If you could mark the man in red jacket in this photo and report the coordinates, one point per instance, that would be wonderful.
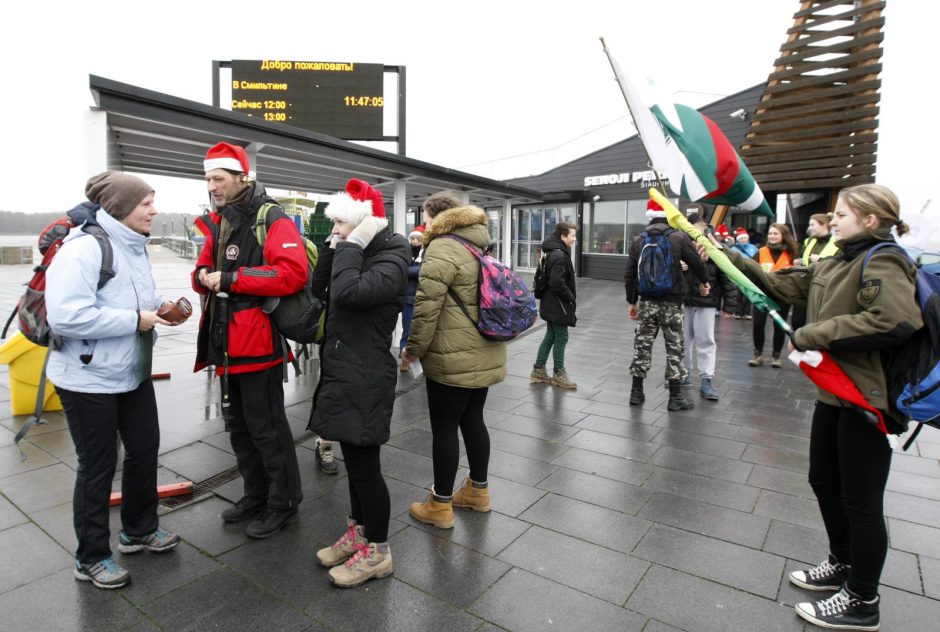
(237, 337)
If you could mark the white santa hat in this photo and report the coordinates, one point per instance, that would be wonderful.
(357, 202)
(226, 156)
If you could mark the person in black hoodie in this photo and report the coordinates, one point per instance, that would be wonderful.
(661, 310)
(358, 373)
(699, 323)
(558, 304)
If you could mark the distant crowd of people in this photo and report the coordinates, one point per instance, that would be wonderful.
(366, 275)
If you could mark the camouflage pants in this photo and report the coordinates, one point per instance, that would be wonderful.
(651, 317)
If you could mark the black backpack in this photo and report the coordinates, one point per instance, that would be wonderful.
(296, 316)
(540, 281)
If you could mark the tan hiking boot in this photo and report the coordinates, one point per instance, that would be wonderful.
(470, 497)
(776, 362)
(434, 512)
(561, 380)
(757, 360)
(539, 374)
(342, 549)
(365, 564)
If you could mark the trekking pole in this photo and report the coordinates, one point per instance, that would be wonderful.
(223, 308)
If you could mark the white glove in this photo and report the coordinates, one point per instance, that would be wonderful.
(366, 230)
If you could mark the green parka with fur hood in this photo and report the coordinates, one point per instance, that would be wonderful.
(449, 346)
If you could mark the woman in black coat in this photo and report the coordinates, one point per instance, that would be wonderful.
(358, 374)
(558, 303)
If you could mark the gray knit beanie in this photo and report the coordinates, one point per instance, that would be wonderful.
(117, 193)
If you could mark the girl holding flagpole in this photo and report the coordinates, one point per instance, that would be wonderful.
(860, 320)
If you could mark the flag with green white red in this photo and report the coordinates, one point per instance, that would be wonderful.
(689, 148)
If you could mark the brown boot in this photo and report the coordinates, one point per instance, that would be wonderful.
(405, 365)
(757, 360)
(470, 497)
(368, 562)
(344, 548)
(539, 374)
(434, 512)
(561, 380)
(776, 362)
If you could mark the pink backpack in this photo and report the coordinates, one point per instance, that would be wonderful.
(507, 306)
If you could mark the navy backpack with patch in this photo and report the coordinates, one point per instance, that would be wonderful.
(914, 373)
(655, 272)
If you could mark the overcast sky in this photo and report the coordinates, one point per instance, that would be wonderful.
(502, 89)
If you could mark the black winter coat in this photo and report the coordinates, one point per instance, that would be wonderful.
(358, 374)
(724, 294)
(559, 301)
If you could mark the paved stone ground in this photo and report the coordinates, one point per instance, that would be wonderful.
(606, 517)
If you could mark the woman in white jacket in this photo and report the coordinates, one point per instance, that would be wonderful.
(100, 363)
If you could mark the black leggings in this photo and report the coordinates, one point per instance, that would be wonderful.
(848, 470)
(760, 321)
(452, 407)
(369, 501)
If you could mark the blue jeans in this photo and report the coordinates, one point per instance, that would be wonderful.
(406, 313)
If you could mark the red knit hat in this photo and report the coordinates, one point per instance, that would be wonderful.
(356, 203)
(226, 156)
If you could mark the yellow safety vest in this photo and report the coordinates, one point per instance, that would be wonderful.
(828, 250)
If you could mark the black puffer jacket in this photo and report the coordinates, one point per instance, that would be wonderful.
(723, 292)
(354, 399)
(559, 300)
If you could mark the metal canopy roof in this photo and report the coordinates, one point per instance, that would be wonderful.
(154, 133)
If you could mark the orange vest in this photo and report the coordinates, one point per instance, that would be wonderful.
(766, 260)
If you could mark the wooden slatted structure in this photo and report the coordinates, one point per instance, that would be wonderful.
(816, 125)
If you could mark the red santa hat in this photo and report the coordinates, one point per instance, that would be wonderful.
(356, 203)
(740, 230)
(654, 210)
(417, 232)
(226, 156)
(722, 231)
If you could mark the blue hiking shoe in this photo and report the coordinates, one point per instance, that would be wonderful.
(106, 574)
(707, 390)
(158, 542)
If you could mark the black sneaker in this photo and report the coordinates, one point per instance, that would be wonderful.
(270, 522)
(324, 453)
(827, 575)
(843, 611)
(244, 509)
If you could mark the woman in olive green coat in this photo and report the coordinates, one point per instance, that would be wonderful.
(459, 364)
(861, 320)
